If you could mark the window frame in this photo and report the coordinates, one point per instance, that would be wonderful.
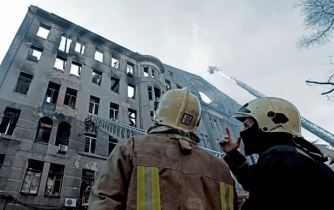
(92, 140)
(130, 68)
(11, 124)
(54, 89)
(43, 130)
(99, 73)
(82, 48)
(114, 110)
(28, 78)
(114, 85)
(134, 91)
(66, 41)
(71, 98)
(94, 104)
(58, 176)
(34, 172)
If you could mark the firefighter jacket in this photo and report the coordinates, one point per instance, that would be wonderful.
(155, 171)
(284, 177)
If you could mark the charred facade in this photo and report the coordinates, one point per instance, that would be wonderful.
(54, 76)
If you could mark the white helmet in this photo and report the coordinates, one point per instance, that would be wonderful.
(178, 108)
(272, 115)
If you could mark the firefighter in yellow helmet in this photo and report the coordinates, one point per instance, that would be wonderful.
(290, 172)
(165, 169)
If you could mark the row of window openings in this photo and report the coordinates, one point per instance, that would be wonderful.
(71, 94)
(76, 67)
(76, 70)
(43, 133)
(24, 81)
(11, 117)
(32, 179)
(214, 124)
(65, 44)
(60, 64)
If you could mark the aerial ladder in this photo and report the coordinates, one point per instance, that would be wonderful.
(308, 125)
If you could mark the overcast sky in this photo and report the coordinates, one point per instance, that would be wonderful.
(253, 41)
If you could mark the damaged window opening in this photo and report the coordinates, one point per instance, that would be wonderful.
(87, 182)
(206, 141)
(34, 53)
(114, 84)
(129, 68)
(98, 56)
(60, 63)
(52, 93)
(112, 144)
(94, 105)
(152, 115)
(44, 130)
(70, 98)
(215, 121)
(131, 91)
(157, 93)
(63, 134)
(178, 86)
(32, 177)
(43, 31)
(90, 144)
(9, 120)
(132, 117)
(2, 159)
(146, 71)
(153, 72)
(65, 44)
(150, 94)
(80, 48)
(168, 84)
(96, 77)
(211, 123)
(23, 83)
(113, 111)
(54, 181)
(170, 73)
(205, 98)
(114, 62)
(76, 68)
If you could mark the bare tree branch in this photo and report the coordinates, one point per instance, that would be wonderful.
(319, 19)
(322, 83)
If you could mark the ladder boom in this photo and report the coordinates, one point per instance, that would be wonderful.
(308, 125)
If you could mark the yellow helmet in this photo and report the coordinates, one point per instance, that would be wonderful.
(272, 115)
(178, 108)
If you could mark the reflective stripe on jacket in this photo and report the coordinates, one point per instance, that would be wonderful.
(150, 172)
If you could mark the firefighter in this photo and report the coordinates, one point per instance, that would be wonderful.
(165, 169)
(290, 172)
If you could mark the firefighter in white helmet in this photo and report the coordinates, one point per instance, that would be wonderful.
(165, 169)
(290, 172)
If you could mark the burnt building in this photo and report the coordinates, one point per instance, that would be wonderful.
(54, 76)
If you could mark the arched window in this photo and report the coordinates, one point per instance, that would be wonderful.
(44, 130)
(63, 133)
